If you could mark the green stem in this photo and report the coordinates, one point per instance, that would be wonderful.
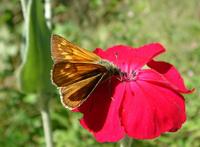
(126, 142)
(47, 128)
(44, 110)
(45, 102)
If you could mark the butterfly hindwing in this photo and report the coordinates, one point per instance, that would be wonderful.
(77, 81)
(72, 96)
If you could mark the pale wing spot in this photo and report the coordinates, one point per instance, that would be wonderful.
(62, 71)
(67, 66)
(59, 45)
(64, 53)
(63, 43)
(68, 57)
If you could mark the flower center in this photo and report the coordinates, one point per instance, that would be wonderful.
(131, 76)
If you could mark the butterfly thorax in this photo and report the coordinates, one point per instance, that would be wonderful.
(112, 69)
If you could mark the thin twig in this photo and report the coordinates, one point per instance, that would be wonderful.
(46, 124)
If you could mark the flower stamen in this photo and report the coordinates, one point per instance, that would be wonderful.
(128, 76)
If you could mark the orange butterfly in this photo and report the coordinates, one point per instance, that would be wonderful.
(77, 72)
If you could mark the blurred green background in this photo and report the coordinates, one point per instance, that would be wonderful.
(91, 24)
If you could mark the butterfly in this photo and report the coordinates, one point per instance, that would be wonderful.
(77, 72)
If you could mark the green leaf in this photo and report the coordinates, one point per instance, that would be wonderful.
(36, 66)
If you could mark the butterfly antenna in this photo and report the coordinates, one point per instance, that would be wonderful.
(117, 61)
(116, 57)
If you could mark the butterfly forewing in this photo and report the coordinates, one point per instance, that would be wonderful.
(63, 50)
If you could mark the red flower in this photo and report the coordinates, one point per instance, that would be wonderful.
(145, 104)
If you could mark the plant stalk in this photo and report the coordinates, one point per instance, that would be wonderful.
(44, 110)
(45, 103)
(126, 142)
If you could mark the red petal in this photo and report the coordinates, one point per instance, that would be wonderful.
(135, 58)
(101, 112)
(149, 110)
(171, 74)
(99, 52)
(117, 54)
(144, 54)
